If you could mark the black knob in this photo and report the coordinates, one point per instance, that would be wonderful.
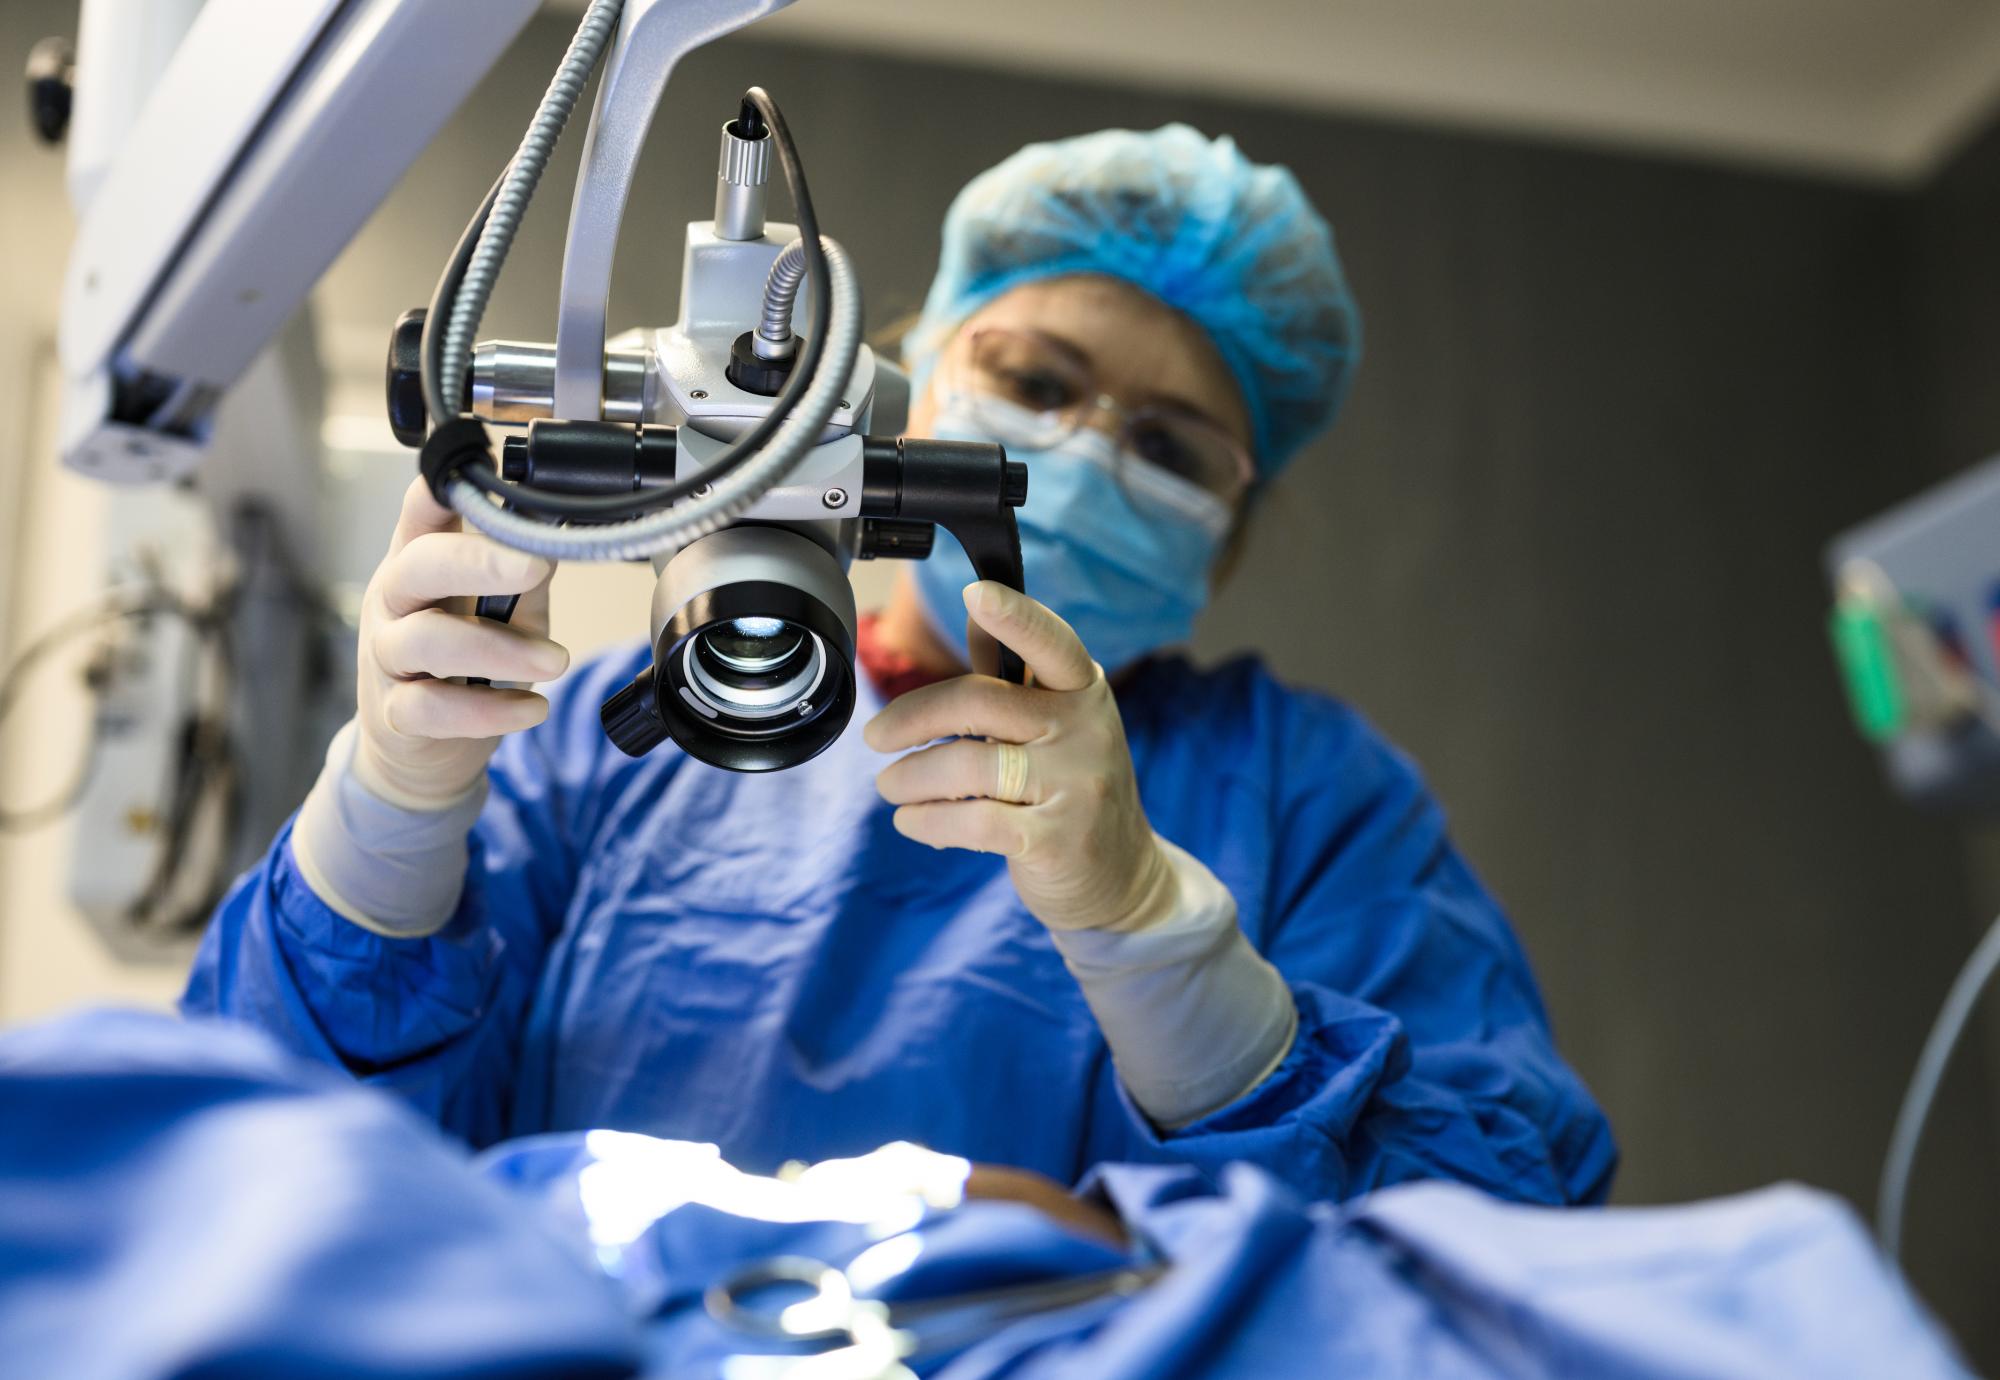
(514, 464)
(904, 539)
(51, 88)
(631, 718)
(753, 373)
(1015, 487)
(408, 417)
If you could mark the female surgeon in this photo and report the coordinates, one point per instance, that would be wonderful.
(1134, 911)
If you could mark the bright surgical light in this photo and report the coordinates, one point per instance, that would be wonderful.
(634, 1180)
(758, 628)
(884, 1261)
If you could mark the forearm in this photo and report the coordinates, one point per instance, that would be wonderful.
(397, 872)
(422, 979)
(1195, 1016)
(434, 1018)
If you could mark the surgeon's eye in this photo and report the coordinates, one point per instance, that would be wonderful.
(1037, 390)
(1158, 444)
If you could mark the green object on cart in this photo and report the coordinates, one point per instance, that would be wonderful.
(1861, 639)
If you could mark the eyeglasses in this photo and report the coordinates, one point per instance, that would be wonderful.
(1034, 391)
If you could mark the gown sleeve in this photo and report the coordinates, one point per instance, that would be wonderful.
(436, 1019)
(1423, 1049)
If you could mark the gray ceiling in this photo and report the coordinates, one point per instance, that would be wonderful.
(1879, 89)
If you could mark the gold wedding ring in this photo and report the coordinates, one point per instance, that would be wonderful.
(1012, 769)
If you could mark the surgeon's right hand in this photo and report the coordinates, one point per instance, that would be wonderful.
(423, 738)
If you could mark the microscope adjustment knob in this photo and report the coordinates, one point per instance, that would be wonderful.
(631, 718)
(408, 417)
(1014, 483)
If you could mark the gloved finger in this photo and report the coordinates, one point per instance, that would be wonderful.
(963, 707)
(442, 709)
(532, 613)
(436, 566)
(431, 642)
(1049, 646)
(983, 826)
(981, 650)
(965, 769)
(421, 513)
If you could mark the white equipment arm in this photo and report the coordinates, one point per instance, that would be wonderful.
(276, 128)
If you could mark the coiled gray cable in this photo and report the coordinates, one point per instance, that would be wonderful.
(672, 528)
(1916, 1108)
(781, 290)
(586, 49)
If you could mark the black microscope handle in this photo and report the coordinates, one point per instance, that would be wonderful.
(500, 608)
(993, 542)
(970, 489)
(451, 445)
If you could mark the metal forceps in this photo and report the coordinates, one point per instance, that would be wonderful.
(868, 1339)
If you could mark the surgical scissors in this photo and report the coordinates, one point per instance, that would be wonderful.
(869, 1339)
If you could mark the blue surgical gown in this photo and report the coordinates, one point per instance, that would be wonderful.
(765, 963)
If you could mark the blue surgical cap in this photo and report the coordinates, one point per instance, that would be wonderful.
(1234, 246)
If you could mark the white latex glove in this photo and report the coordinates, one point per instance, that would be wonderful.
(423, 740)
(1038, 773)
(1194, 1016)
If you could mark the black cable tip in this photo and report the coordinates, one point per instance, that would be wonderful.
(749, 122)
(451, 447)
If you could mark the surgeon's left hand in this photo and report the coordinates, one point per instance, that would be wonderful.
(1039, 773)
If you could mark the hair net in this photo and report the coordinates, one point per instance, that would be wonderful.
(1234, 246)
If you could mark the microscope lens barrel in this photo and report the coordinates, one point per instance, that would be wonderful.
(753, 653)
(514, 382)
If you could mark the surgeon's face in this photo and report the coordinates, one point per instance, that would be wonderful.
(1136, 445)
(1129, 346)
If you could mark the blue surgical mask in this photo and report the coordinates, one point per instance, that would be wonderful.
(1119, 548)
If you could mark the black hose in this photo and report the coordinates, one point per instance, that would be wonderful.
(436, 317)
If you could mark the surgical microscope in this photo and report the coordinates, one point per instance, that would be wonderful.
(750, 451)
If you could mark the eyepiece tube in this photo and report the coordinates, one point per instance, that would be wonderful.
(744, 172)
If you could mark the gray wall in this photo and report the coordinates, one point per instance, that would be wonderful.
(1564, 548)
(1953, 328)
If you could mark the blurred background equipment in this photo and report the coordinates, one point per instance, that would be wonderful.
(1658, 296)
(1916, 625)
(211, 668)
(192, 697)
(220, 155)
(1916, 629)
